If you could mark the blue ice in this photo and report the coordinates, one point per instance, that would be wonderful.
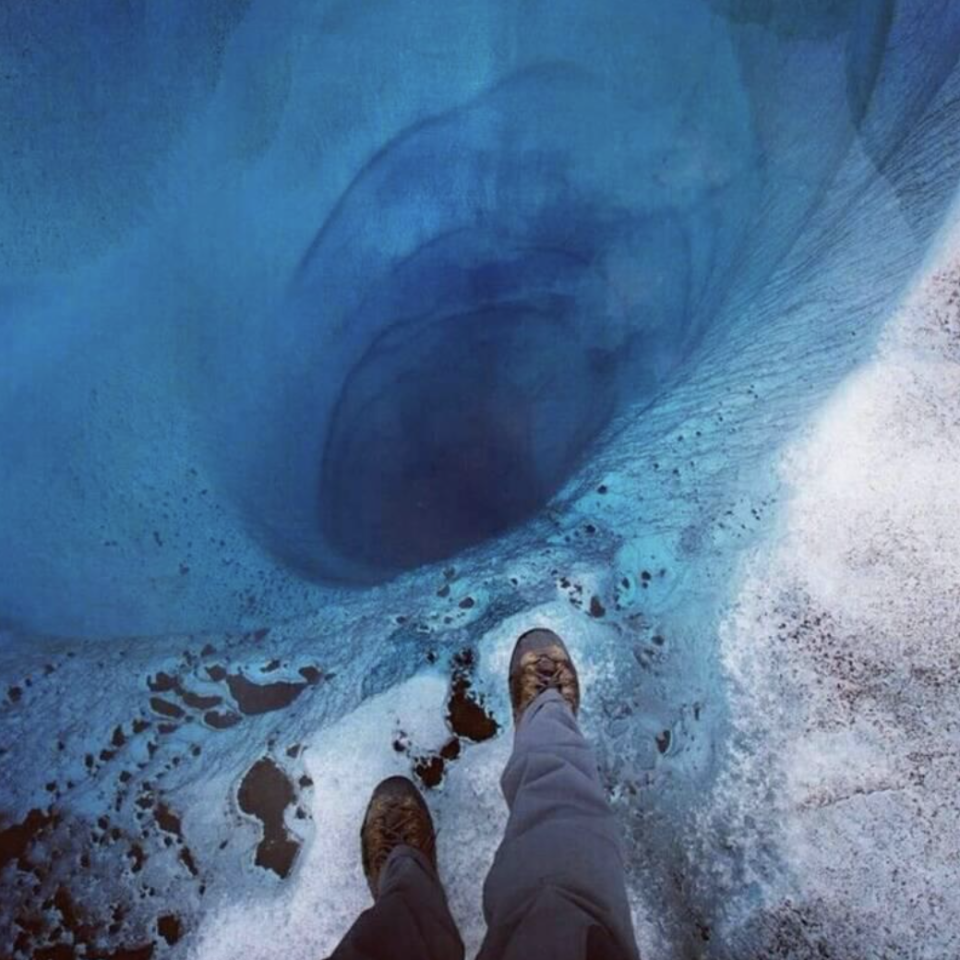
(343, 334)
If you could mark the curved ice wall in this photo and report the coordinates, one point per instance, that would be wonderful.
(315, 298)
(383, 326)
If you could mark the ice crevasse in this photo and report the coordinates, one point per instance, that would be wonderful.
(342, 342)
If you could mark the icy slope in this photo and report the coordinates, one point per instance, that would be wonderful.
(831, 827)
(347, 343)
(826, 827)
(488, 242)
(843, 647)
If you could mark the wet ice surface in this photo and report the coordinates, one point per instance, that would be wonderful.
(709, 195)
(816, 816)
(755, 567)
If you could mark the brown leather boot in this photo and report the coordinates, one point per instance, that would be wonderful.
(396, 815)
(541, 661)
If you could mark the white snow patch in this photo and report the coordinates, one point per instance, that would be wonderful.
(844, 649)
(308, 917)
(345, 761)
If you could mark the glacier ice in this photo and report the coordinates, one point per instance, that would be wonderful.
(345, 341)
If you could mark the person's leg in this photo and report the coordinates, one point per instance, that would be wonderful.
(409, 919)
(556, 888)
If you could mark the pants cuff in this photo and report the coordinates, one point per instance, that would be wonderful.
(539, 702)
(400, 857)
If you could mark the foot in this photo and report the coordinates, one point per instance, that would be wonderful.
(396, 816)
(540, 662)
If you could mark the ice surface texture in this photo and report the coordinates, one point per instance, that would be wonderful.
(341, 339)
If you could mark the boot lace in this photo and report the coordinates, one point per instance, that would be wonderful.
(396, 827)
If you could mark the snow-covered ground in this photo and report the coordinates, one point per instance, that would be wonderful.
(843, 645)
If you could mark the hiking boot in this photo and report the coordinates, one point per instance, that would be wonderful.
(540, 662)
(396, 816)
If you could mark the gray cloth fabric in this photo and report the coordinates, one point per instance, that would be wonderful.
(556, 889)
(410, 918)
(557, 881)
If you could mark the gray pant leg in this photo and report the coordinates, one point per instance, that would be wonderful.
(410, 919)
(556, 889)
